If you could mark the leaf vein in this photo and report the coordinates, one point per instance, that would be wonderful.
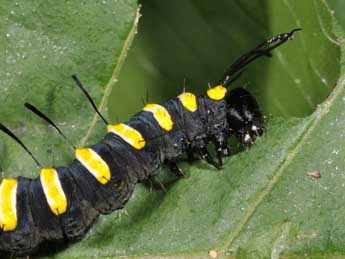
(314, 121)
(114, 76)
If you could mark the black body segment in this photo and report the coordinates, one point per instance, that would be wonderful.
(118, 190)
(174, 142)
(137, 165)
(47, 223)
(26, 237)
(80, 214)
(90, 188)
(187, 123)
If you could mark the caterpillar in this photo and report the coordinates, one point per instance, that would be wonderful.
(63, 202)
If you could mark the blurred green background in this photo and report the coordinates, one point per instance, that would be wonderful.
(192, 42)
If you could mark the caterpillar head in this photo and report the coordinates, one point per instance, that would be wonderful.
(244, 116)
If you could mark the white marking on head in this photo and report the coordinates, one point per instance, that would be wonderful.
(254, 128)
(247, 137)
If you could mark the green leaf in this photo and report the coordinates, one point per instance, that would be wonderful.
(263, 204)
(43, 44)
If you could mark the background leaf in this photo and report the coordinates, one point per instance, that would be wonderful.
(44, 43)
(195, 41)
(262, 204)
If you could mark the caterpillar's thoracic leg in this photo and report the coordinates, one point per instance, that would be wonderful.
(222, 150)
(175, 168)
(205, 155)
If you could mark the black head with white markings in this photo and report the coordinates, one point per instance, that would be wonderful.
(244, 116)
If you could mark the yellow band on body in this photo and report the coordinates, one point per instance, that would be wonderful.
(53, 191)
(94, 164)
(128, 134)
(188, 101)
(8, 204)
(161, 115)
(217, 93)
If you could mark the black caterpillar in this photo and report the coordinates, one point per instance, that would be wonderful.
(63, 202)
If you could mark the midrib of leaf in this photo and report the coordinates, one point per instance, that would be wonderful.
(113, 79)
(314, 121)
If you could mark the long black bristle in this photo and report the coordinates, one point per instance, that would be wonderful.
(4, 129)
(77, 81)
(46, 118)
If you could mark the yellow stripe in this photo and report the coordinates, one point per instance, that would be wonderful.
(53, 191)
(94, 164)
(8, 204)
(217, 93)
(161, 115)
(188, 100)
(128, 134)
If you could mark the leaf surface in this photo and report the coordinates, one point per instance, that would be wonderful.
(263, 204)
(44, 43)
